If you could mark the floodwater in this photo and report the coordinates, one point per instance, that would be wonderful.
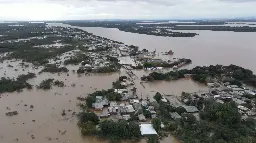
(44, 123)
(207, 48)
(48, 125)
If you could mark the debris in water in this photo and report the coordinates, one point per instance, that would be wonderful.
(63, 113)
(32, 136)
(12, 113)
(31, 106)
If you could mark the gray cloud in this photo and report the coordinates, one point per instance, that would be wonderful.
(238, 1)
(124, 9)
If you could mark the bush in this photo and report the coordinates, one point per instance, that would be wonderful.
(88, 116)
(156, 122)
(46, 84)
(25, 77)
(52, 68)
(11, 85)
(120, 130)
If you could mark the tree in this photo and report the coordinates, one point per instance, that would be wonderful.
(46, 84)
(226, 113)
(180, 110)
(88, 116)
(120, 130)
(146, 112)
(236, 82)
(158, 97)
(134, 130)
(153, 139)
(113, 96)
(90, 100)
(88, 128)
(189, 118)
(156, 122)
(147, 65)
(172, 126)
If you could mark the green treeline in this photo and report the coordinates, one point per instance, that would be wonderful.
(231, 73)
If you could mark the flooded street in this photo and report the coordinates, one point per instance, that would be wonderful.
(44, 123)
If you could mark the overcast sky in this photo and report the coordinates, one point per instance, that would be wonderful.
(124, 9)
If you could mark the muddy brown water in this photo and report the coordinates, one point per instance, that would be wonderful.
(44, 122)
(50, 126)
(207, 48)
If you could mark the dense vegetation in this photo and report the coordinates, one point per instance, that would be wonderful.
(78, 58)
(53, 68)
(217, 28)
(48, 83)
(218, 123)
(134, 28)
(108, 129)
(33, 42)
(229, 73)
(11, 85)
(19, 30)
(25, 77)
(156, 32)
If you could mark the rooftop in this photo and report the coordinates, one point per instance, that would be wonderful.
(147, 129)
(191, 109)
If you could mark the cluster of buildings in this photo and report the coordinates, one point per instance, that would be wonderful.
(222, 93)
(125, 109)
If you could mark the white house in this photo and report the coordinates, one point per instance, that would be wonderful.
(147, 129)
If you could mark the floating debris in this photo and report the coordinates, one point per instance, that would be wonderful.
(12, 113)
(63, 113)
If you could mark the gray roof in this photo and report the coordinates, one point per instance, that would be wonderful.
(175, 115)
(142, 117)
(191, 109)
